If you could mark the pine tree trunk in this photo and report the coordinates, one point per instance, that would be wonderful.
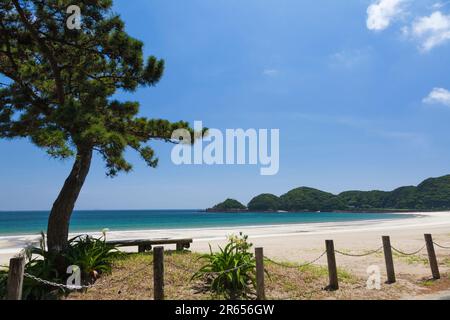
(58, 223)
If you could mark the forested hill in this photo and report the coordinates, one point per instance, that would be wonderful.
(431, 194)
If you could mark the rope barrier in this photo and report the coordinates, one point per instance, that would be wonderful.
(209, 272)
(56, 285)
(190, 270)
(228, 271)
(297, 266)
(74, 287)
(359, 255)
(146, 266)
(441, 246)
(407, 254)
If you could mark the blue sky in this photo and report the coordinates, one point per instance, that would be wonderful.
(358, 89)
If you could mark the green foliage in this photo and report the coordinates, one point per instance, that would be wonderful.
(402, 198)
(59, 86)
(61, 82)
(93, 256)
(364, 199)
(231, 272)
(431, 194)
(229, 205)
(264, 202)
(434, 193)
(41, 264)
(308, 199)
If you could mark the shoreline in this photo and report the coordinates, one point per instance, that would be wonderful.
(11, 243)
(32, 236)
(77, 229)
(300, 243)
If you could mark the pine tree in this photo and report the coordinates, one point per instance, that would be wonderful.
(59, 87)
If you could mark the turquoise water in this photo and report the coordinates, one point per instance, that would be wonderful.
(32, 222)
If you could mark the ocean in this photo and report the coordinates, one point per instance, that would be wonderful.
(33, 222)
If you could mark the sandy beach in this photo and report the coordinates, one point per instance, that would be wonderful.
(288, 242)
(300, 243)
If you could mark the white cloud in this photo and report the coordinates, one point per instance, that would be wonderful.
(439, 5)
(350, 58)
(431, 31)
(270, 72)
(381, 13)
(438, 96)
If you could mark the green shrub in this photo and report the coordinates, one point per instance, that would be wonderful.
(41, 264)
(93, 257)
(231, 272)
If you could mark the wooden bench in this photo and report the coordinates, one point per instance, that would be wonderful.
(146, 245)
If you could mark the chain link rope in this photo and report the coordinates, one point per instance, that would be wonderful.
(298, 266)
(359, 255)
(407, 254)
(74, 287)
(209, 272)
(440, 246)
(131, 274)
(56, 285)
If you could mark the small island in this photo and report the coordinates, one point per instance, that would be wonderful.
(433, 194)
(229, 205)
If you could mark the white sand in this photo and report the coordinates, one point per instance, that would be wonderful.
(305, 242)
(287, 241)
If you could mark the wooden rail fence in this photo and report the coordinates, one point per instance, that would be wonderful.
(17, 272)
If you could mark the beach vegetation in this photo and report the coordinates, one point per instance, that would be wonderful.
(132, 279)
(428, 283)
(231, 271)
(446, 261)
(93, 257)
(414, 259)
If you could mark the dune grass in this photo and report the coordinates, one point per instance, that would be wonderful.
(132, 279)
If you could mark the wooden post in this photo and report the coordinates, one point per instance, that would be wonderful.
(260, 290)
(15, 278)
(332, 268)
(389, 260)
(432, 256)
(158, 273)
